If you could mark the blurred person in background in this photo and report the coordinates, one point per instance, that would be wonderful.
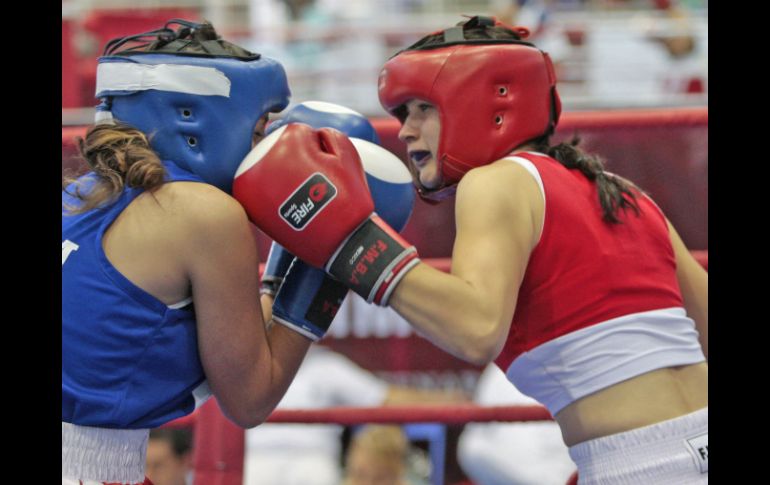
(531, 453)
(533, 14)
(311, 454)
(169, 456)
(686, 66)
(379, 455)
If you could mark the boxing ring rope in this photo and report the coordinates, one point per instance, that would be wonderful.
(569, 121)
(576, 120)
(446, 414)
(219, 445)
(454, 414)
(387, 128)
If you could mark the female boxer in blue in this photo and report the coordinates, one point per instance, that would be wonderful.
(160, 301)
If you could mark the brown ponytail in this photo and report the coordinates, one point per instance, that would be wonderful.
(615, 192)
(120, 156)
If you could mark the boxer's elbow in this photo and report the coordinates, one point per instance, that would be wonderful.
(249, 417)
(255, 419)
(478, 357)
(483, 345)
(247, 411)
(481, 354)
(247, 404)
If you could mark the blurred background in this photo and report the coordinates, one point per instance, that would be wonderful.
(608, 53)
(633, 79)
(641, 65)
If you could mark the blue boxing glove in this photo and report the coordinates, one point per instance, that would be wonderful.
(308, 299)
(320, 114)
(276, 266)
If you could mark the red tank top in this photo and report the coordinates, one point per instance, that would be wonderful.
(586, 271)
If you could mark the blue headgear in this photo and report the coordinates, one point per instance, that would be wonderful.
(199, 109)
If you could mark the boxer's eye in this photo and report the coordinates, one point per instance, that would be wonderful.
(401, 113)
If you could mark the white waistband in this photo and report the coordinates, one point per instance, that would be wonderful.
(580, 363)
(103, 455)
(685, 436)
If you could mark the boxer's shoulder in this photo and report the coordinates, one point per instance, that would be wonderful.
(190, 213)
(499, 179)
(193, 200)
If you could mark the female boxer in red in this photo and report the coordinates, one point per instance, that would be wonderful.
(570, 278)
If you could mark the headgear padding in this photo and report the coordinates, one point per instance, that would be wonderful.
(199, 110)
(492, 96)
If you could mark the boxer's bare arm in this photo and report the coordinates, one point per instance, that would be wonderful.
(499, 210)
(248, 367)
(694, 283)
(267, 307)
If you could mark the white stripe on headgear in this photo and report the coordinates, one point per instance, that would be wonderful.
(129, 76)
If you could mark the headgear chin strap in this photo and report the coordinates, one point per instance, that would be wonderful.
(197, 96)
(492, 95)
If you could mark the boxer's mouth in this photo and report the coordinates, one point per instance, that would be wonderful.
(420, 157)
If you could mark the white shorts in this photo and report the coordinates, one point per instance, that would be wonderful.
(72, 481)
(669, 452)
(102, 454)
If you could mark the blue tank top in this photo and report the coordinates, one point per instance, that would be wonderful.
(129, 361)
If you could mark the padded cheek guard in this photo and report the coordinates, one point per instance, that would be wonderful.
(491, 98)
(199, 111)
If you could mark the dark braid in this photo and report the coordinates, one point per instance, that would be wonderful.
(615, 192)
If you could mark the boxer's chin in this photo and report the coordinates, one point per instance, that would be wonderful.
(429, 176)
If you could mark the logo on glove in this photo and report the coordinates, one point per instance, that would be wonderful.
(307, 201)
(318, 191)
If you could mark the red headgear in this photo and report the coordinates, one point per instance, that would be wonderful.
(492, 95)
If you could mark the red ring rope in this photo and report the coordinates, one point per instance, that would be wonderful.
(446, 414)
(445, 264)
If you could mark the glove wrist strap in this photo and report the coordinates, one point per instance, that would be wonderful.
(308, 301)
(373, 260)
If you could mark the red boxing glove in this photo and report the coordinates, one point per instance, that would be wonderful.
(307, 190)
